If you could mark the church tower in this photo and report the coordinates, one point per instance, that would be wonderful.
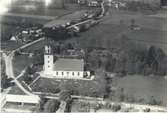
(48, 60)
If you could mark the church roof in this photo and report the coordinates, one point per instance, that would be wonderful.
(64, 64)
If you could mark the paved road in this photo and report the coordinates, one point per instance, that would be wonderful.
(21, 74)
(9, 66)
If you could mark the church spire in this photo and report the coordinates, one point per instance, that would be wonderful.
(48, 58)
(48, 49)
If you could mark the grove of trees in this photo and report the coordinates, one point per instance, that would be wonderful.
(51, 106)
(129, 58)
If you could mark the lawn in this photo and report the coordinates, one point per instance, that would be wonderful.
(46, 85)
(146, 21)
(20, 62)
(34, 47)
(143, 87)
(80, 106)
(153, 31)
(10, 45)
(79, 87)
(102, 35)
(150, 37)
(16, 91)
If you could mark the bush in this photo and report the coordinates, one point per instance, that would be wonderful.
(115, 108)
(51, 106)
(153, 101)
(65, 95)
(140, 6)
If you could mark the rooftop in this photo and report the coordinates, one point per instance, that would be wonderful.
(66, 64)
(18, 106)
(22, 98)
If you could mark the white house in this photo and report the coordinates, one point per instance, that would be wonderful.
(19, 103)
(13, 38)
(64, 68)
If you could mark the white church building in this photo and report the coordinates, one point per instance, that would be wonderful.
(64, 68)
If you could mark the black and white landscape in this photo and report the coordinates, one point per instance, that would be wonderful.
(61, 56)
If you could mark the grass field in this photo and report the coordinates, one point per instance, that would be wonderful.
(16, 90)
(20, 62)
(144, 87)
(10, 45)
(153, 30)
(102, 35)
(79, 87)
(150, 37)
(37, 46)
(81, 106)
(45, 11)
(146, 21)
